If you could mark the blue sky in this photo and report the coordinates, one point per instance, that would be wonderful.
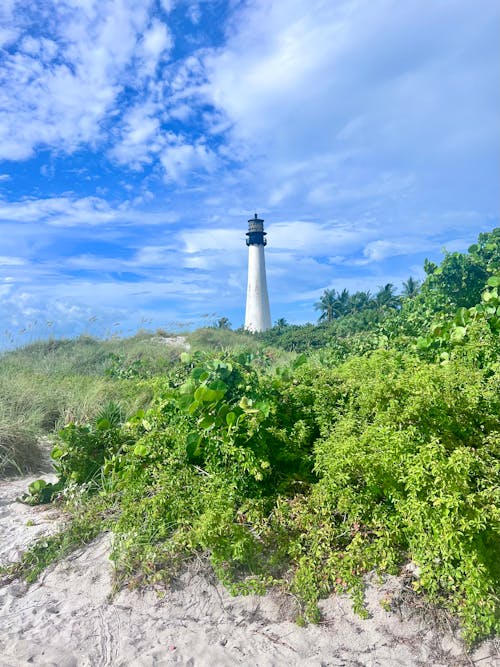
(137, 138)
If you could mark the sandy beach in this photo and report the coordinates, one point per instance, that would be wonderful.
(68, 619)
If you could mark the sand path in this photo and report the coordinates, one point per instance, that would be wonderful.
(67, 620)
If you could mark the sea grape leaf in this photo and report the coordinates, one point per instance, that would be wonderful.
(37, 486)
(192, 443)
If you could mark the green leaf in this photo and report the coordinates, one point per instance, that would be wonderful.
(494, 281)
(200, 393)
(185, 357)
(37, 486)
(206, 394)
(244, 358)
(141, 450)
(461, 317)
(199, 373)
(264, 407)
(218, 385)
(221, 414)
(487, 296)
(192, 443)
(424, 342)
(184, 401)
(206, 422)
(193, 407)
(187, 388)
(437, 330)
(230, 418)
(458, 334)
(56, 453)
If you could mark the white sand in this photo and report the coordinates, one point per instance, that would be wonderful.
(66, 618)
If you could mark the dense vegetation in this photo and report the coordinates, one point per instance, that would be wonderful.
(378, 447)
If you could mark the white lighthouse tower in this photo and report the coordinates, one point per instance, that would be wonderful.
(257, 314)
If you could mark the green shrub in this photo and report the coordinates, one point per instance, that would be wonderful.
(409, 462)
(212, 453)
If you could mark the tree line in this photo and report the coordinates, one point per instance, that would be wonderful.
(334, 304)
(457, 282)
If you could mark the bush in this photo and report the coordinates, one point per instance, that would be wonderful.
(409, 461)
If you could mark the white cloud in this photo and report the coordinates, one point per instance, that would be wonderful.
(58, 211)
(182, 157)
(11, 261)
(313, 238)
(140, 137)
(84, 211)
(57, 92)
(194, 12)
(157, 39)
(349, 90)
(167, 5)
(156, 43)
(376, 251)
(198, 240)
(155, 256)
(7, 36)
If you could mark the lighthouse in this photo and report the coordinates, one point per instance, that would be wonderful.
(257, 314)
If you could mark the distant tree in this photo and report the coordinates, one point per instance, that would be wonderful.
(411, 288)
(333, 305)
(343, 301)
(326, 305)
(386, 298)
(223, 323)
(281, 323)
(360, 301)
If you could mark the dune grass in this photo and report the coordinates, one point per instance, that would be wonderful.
(47, 384)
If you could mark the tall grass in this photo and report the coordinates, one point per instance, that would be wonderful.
(45, 385)
(211, 338)
(20, 450)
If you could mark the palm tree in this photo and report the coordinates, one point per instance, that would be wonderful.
(343, 302)
(360, 301)
(411, 288)
(386, 298)
(326, 304)
(333, 304)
